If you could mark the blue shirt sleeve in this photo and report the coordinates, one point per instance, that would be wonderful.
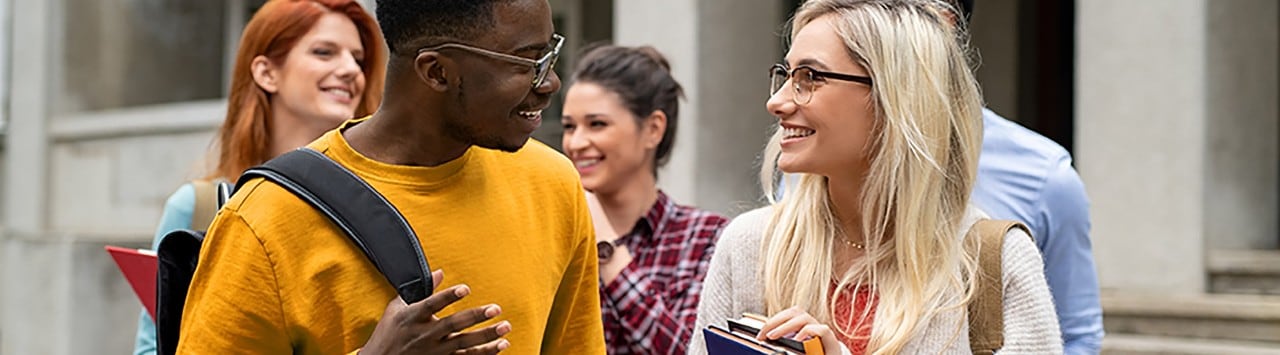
(1068, 255)
(176, 215)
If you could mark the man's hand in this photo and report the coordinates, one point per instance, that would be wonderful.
(415, 329)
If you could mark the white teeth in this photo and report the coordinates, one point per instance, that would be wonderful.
(339, 92)
(796, 132)
(586, 163)
(531, 115)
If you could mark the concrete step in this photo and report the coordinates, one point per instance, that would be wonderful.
(1211, 316)
(1244, 271)
(1127, 344)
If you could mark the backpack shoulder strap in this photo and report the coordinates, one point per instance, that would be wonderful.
(986, 308)
(371, 222)
(206, 205)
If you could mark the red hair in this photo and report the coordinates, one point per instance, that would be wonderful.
(243, 140)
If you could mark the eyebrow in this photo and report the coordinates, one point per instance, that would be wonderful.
(535, 46)
(586, 116)
(359, 52)
(538, 47)
(816, 64)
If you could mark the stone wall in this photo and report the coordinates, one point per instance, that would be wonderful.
(60, 283)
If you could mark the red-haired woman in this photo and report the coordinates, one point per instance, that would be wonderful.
(303, 68)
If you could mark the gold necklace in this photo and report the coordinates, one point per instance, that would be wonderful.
(848, 242)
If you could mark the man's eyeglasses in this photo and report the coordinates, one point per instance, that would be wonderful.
(802, 80)
(541, 67)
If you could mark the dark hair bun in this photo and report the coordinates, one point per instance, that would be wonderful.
(654, 55)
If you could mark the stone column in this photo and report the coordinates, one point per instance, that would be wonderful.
(1243, 159)
(32, 266)
(720, 51)
(1141, 115)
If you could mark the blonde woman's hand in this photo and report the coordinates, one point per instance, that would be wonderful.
(796, 323)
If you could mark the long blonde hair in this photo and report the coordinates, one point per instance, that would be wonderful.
(924, 151)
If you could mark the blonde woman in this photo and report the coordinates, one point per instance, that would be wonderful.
(880, 119)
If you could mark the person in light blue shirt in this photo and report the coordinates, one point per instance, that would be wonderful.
(1026, 177)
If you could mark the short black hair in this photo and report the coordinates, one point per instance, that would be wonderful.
(406, 22)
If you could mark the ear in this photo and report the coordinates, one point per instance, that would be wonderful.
(264, 74)
(430, 69)
(652, 129)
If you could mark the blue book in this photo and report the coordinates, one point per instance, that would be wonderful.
(721, 341)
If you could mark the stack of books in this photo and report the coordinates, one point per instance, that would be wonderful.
(738, 337)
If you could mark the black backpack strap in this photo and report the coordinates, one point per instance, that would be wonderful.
(175, 265)
(361, 212)
(176, 259)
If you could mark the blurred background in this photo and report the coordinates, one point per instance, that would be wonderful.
(1168, 106)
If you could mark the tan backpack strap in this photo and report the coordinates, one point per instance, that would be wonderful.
(986, 309)
(206, 205)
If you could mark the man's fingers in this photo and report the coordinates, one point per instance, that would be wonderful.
(436, 277)
(462, 320)
(422, 311)
(489, 348)
(480, 337)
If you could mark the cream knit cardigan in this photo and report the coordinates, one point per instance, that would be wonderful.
(733, 286)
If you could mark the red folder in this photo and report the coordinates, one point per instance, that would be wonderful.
(139, 267)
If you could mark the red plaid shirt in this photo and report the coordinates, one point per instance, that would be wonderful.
(652, 306)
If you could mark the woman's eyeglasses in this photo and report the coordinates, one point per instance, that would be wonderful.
(802, 80)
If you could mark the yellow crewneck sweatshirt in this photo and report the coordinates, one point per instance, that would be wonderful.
(276, 277)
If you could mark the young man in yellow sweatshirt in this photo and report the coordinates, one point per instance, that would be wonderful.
(503, 217)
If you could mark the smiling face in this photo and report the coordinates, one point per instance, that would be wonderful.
(320, 82)
(606, 142)
(498, 108)
(829, 134)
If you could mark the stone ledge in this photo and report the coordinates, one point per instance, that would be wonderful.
(1244, 262)
(1211, 316)
(1124, 344)
(159, 119)
(1245, 284)
(1217, 306)
(1244, 271)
